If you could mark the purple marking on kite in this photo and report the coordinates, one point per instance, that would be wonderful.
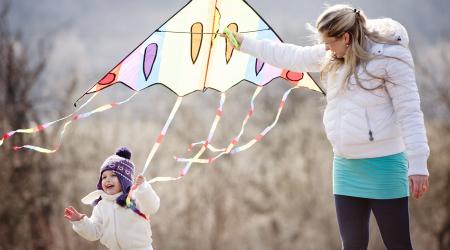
(258, 66)
(149, 59)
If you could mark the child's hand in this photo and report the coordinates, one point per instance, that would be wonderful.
(72, 214)
(139, 180)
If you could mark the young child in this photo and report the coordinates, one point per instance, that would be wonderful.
(117, 223)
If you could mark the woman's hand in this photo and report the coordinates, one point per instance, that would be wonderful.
(238, 37)
(418, 185)
(72, 214)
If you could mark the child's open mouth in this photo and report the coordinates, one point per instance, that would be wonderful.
(109, 186)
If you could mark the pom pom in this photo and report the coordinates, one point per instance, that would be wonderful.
(124, 153)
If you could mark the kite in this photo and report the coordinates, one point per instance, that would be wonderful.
(187, 54)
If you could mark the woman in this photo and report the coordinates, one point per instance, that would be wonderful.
(372, 119)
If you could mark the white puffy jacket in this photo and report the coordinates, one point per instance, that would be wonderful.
(361, 123)
(118, 227)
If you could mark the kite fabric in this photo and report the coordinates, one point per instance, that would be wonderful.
(187, 54)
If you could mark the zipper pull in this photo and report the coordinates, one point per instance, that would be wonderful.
(368, 126)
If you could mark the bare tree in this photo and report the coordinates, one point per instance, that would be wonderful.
(432, 214)
(26, 186)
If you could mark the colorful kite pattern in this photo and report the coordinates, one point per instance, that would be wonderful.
(186, 54)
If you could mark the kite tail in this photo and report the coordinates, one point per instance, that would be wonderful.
(74, 117)
(213, 128)
(42, 127)
(161, 135)
(236, 139)
(205, 143)
(268, 128)
(257, 138)
(210, 147)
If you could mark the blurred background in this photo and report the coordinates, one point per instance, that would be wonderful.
(276, 195)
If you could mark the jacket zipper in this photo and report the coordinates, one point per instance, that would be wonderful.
(368, 126)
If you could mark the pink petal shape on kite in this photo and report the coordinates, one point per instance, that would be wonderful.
(258, 66)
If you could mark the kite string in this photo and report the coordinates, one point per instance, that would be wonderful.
(73, 119)
(162, 134)
(207, 33)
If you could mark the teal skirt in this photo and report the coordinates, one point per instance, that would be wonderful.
(375, 178)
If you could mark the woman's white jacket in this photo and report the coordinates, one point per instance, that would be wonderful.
(361, 123)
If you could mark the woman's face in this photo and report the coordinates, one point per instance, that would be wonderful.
(110, 182)
(337, 45)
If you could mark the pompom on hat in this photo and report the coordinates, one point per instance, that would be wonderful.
(120, 163)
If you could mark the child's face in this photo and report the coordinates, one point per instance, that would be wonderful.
(110, 182)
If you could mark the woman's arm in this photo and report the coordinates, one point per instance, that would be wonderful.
(405, 97)
(283, 55)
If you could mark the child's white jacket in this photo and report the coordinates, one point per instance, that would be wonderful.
(392, 113)
(118, 227)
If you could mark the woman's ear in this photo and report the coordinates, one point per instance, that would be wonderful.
(347, 38)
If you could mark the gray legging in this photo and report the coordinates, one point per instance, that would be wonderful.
(392, 217)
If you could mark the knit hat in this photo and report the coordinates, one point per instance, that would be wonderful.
(121, 165)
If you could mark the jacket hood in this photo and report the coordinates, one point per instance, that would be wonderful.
(389, 28)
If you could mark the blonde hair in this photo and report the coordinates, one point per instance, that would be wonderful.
(340, 19)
